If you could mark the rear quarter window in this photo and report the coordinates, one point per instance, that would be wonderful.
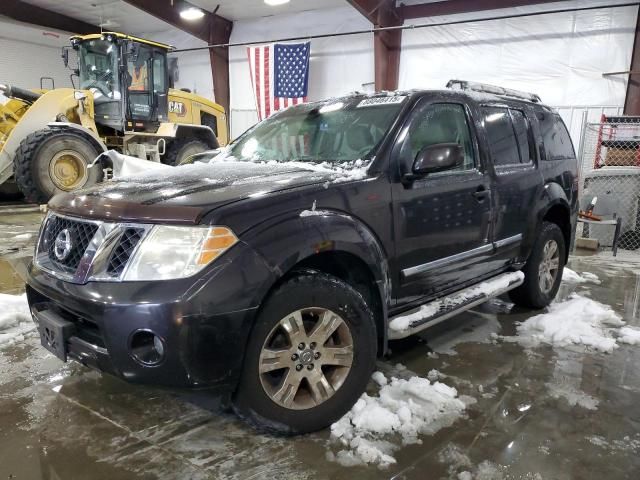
(555, 137)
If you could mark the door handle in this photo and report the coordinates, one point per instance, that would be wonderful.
(481, 193)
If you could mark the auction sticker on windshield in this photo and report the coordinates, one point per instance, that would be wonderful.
(368, 102)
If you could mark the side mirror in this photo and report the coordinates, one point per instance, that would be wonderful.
(438, 157)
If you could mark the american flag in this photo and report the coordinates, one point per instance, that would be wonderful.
(280, 75)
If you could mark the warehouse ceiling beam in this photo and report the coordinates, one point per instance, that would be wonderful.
(451, 7)
(28, 13)
(386, 44)
(211, 28)
(632, 98)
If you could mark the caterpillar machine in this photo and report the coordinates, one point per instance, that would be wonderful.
(49, 138)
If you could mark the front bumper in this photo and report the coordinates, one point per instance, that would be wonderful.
(203, 320)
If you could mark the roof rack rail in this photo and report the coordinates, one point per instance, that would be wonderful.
(486, 88)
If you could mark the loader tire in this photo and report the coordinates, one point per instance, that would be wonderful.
(181, 149)
(52, 161)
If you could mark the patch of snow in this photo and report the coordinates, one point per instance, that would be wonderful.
(571, 276)
(401, 323)
(433, 375)
(629, 335)
(625, 444)
(15, 318)
(576, 321)
(404, 408)
(379, 378)
(572, 395)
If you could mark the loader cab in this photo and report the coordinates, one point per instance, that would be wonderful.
(128, 78)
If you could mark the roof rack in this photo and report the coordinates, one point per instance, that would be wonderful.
(486, 88)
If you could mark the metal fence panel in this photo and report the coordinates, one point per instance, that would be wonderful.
(610, 170)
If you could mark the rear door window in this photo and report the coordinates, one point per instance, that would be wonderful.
(503, 145)
(523, 136)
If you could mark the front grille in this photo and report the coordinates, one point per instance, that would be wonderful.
(121, 254)
(87, 249)
(80, 234)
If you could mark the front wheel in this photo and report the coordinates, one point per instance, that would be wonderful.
(309, 357)
(52, 161)
(178, 151)
(543, 270)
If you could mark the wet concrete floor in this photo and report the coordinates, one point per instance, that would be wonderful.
(63, 421)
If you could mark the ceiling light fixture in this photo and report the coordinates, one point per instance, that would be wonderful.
(192, 13)
(274, 3)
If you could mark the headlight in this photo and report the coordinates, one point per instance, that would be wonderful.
(178, 252)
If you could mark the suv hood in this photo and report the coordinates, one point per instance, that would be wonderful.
(183, 194)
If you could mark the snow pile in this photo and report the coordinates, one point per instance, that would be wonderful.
(570, 276)
(577, 321)
(489, 288)
(404, 409)
(629, 335)
(15, 319)
(461, 467)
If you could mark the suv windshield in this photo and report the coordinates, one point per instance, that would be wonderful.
(340, 131)
(98, 64)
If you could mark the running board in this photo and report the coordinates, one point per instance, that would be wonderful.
(436, 311)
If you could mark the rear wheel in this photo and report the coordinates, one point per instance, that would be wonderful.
(181, 149)
(543, 270)
(52, 161)
(309, 357)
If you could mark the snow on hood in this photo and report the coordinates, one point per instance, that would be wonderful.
(131, 169)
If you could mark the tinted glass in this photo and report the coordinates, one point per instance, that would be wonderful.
(159, 73)
(440, 123)
(500, 135)
(98, 65)
(341, 131)
(557, 142)
(523, 136)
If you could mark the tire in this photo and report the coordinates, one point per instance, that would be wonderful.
(52, 161)
(181, 149)
(254, 399)
(536, 292)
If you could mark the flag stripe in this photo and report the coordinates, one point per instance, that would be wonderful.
(280, 69)
(267, 90)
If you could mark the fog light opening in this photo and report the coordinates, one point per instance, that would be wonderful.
(147, 348)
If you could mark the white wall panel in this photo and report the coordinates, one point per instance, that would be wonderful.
(195, 67)
(337, 65)
(559, 56)
(29, 53)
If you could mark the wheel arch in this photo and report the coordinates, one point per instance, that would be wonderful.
(201, 132)
(333, 243)
(558, 211)
(79, 129)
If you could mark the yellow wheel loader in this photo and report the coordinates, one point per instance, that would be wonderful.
(48, 138)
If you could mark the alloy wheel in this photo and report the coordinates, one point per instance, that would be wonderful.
(549, 266)
(306, 358)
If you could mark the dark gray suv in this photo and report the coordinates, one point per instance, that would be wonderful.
(278, 271)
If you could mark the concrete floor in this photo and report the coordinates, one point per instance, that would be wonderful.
(63, 421)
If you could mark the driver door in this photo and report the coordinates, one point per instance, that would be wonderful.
(441, 220)
(147, 85)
